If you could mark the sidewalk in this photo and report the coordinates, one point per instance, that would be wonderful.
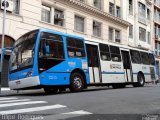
(5, 89)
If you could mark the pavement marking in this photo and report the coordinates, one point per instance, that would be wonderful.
(7, 98)
(64, 116)
(34, 109)
(80, 112)
(21, 103)
(9, 101)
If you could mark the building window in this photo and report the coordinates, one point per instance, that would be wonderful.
(16, 6)
(58, 17)
(111, 8)
(13, 6)
(131, 31)
(117, 36)
(96, 29)
(148, 14)
(156, 48)
(97, 4)
(149, 37)
(130, 7)
(111, 34)
(46, 14)
(141, 13)
(114, 35)
(118, 11)
(79, 23)
(82, 0)
(142, 34)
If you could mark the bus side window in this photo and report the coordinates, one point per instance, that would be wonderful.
(47, 48)
(104, 52)
(115, 54)
(135, 56)
(42, 49)
(51, 46)
(145, 58)
(75, 47)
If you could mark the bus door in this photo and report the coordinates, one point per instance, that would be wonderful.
(127, 65)
(93, 63)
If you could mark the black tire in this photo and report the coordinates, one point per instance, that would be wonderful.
(77, 82)
(62, 89)
(140, 81)
(122, 85)
(51, 90)
(118, 85)
(114, 86)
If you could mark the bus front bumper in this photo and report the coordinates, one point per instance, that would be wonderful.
(24, 83)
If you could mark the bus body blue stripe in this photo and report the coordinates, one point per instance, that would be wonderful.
(113, 72)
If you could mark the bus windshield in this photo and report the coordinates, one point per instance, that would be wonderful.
(22, 55)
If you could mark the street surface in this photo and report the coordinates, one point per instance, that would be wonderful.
(95, 103)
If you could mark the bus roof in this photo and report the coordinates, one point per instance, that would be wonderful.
(90, 40)
(116, 44)
(60, 33)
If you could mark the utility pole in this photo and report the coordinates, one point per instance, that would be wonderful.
(5, 4)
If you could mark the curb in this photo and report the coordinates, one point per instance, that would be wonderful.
(5, 89)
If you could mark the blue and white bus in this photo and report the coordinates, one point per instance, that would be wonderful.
(54, 61)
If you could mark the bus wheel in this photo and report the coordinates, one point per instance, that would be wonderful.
(77, 82)
(141, 81)
(115, 86)
(62, 89)
(118, 85)
(50, 90)
(122, 85)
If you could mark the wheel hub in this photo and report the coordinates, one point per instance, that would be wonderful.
(77, 82)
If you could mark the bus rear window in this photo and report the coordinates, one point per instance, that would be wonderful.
(151, 58)
(75, 47)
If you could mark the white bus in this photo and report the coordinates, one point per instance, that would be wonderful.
(119, 65)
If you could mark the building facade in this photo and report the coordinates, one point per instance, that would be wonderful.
(139, 14)
(156, 31)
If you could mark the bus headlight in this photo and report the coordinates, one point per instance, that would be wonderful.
(29, 74)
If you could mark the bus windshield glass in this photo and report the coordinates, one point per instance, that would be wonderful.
(22, 55)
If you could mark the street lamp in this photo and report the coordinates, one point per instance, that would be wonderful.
(5, 4)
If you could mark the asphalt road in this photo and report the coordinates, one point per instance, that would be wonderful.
(95, 103)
